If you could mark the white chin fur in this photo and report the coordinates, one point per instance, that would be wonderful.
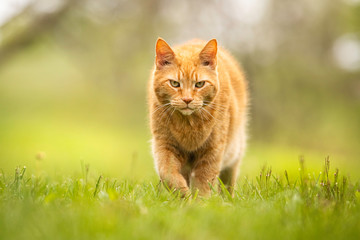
(186, 111)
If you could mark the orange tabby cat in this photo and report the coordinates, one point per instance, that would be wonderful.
(197, 102)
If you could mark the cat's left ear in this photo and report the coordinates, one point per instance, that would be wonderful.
(164, 54)
(208, 54)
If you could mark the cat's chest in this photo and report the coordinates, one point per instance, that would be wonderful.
(190, 136)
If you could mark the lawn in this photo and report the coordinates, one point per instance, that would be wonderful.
(273, 204)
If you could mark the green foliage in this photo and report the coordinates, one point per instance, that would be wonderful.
(307, 206)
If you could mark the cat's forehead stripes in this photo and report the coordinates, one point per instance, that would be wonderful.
(193, 75)
(180, 75)
(187, 74)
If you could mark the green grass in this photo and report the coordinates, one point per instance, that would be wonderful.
(270, 205)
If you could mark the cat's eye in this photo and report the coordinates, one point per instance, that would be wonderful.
(200, 84)
(175, 84)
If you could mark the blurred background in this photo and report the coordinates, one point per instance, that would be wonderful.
(73, 79)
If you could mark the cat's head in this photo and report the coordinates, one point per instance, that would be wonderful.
(186, 77)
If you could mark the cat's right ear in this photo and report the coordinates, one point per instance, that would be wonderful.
(164, 54)
(208, 54)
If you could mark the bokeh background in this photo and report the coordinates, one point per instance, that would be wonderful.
(73, 78)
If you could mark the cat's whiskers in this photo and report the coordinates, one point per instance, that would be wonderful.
(210, 114)
(219, 108)
(170, 115)
(201, 116)
(206, 117)
(159, 107)
(163, 113)
(214, 106)
(220, 111)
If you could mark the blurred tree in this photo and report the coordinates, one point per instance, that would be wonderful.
(28, 25)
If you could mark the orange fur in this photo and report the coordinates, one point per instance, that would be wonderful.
(197, 102)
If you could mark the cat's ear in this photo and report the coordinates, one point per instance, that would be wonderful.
(208, 54)
(164, 54)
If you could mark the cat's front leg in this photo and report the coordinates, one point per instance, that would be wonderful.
(169, 165)
(205, 173)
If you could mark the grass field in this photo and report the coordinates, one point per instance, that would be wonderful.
(271, 205)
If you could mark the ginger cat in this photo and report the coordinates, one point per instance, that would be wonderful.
(198, 103)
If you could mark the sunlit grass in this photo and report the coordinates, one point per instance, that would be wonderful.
(269, 205)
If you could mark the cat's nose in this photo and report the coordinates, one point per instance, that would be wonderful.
(187, 100)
